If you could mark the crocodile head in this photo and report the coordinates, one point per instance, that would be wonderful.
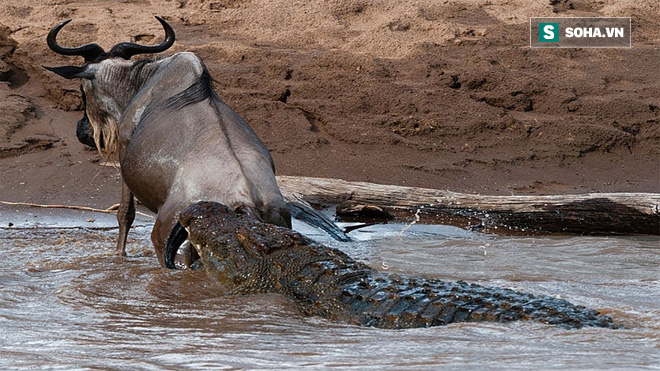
(235, 245)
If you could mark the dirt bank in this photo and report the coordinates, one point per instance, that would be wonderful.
(444, 95)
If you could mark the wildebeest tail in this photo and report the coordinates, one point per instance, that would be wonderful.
(302, 210)
(177, 236)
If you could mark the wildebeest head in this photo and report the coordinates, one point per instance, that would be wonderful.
(109, 81)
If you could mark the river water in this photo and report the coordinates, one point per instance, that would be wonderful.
(67, 302)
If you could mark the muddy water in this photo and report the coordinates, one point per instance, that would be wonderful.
(67, 302)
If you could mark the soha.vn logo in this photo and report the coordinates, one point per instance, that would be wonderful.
(549, 32)
(580, 32)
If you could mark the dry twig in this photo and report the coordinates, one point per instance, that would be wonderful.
(111, 210)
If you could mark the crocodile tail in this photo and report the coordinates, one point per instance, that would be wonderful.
(408, 302)
(177, 236)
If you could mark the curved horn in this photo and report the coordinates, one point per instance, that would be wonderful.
(89, 51)
(127, 50)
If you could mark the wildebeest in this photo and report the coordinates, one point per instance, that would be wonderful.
(177, 143)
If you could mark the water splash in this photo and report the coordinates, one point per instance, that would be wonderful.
(485, 247)
(409, 225)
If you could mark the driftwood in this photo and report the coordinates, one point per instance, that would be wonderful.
(592, 213)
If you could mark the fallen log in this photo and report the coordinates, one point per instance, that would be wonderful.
(591, 213)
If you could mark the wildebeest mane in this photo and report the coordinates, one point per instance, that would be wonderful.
(199, 91)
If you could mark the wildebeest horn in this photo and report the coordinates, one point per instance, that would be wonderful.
(89, 51)
(127, 50)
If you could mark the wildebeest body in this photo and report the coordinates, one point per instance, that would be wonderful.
(176, 141)
(192, 147)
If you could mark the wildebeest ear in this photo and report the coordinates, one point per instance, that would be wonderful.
(72, 72)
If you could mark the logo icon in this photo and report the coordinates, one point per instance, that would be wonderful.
(548, 32)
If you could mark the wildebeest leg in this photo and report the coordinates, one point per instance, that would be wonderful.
(165, 221)
(125, 217)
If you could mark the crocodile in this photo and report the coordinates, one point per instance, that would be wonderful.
(248, 256)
